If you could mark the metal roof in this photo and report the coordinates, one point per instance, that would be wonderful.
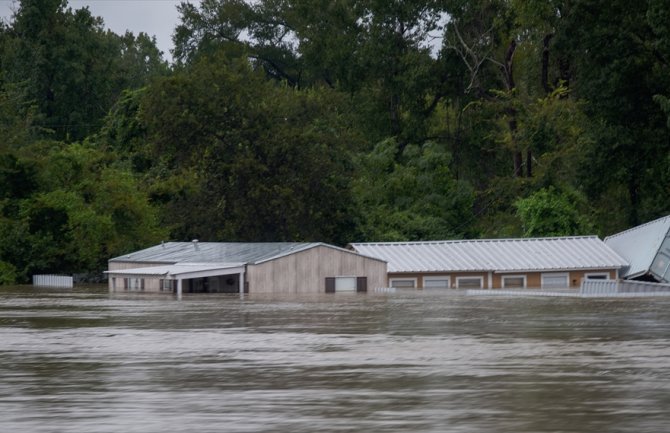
(222, 252)
(180, 269)
(214, 252)
(501, 255)
(640, 245)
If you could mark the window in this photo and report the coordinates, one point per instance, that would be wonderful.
(660, 264)
(168, 285)
(403, 283)
(514, 281)
(441, 282)
(597, 276)
(134, 283)
(345, 284)
(555, 281)
(469, 282)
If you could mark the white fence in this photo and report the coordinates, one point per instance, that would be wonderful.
(611, 287)
(61, 281)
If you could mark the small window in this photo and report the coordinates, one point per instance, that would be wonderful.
(555, 281)
(469, 282)
(436, 282)
(403, 283)
(514, 282)
(660, 264)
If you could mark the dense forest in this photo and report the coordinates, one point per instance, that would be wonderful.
(329, 120)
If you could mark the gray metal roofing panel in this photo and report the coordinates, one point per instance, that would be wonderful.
(640, 244)
(213, 252)
(177, 269)
(504, 255)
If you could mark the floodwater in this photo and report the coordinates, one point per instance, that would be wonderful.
(87, 361)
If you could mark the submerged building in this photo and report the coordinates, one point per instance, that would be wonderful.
(559, 262)
(225, 267)
(647, 249)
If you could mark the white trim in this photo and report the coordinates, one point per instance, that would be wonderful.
(459, 279)
(490, 280)
(437, 278)
(504, 277)
(565, 275)
(392, 280)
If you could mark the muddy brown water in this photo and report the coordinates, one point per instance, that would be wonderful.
(86, 361)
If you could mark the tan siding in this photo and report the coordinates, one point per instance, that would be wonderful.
(533, 279)
(452, 277)
(150, 284)
(306, 271)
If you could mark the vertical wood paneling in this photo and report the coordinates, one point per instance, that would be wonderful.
(306, 271)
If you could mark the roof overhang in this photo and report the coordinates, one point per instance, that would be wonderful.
(502, 271)
(180, 271)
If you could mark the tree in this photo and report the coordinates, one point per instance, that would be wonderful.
(268, 162)
(379, 52)
(618, 63)
(550, 212)
(70, 68)
(412, 199)
(74, 211)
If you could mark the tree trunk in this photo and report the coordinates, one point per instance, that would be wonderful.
(564, 72)
(511, 111)
(545, 63)
(518, 164)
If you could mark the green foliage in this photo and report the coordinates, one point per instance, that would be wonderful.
(269, 162)
(550, 212)
(414, 199)
(7, 273)
(75, 211)
(70, 68)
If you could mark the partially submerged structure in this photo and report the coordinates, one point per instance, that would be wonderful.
(560, 262)
(222, 267)
(647, 249)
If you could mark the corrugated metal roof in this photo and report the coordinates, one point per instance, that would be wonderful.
(178, 269)
(214, 252)
(503, 255)
(640, 245)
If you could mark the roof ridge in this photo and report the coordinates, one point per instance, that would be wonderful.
(450, 241)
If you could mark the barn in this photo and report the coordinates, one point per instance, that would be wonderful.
(244, 267)
(556, 262)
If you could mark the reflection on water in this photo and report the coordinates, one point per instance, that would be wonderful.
(82, 361)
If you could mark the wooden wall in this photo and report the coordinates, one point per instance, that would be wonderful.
(150, 284)
(306, 271)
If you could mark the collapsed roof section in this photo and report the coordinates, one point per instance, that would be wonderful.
(646, 248)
